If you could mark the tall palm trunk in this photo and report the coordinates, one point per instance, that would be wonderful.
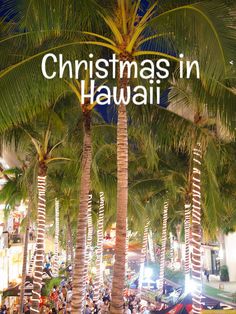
(196, 229)
(56, 240)
(39, 258)
(163, 249)
(187, 217)
(31, 263)
(89, 239)
(143, 254)
(118, 281)
(99, 252)
(24, 265)
(79, 262)
(151, 246)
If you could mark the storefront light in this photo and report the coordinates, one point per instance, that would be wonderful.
(148, 272)
(221, 254)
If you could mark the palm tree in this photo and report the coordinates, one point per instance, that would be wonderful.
(67, 179)
(39, 258)
(44, 153)
(98, 283)
(187, 221)
(56, 238)
(128, 27)
(196, 228)
(80, 253)
(89, 238)
(40, 139)
(199, 109)
(52, 94)
(31, 263)
(63, 181)
(163, 248)
(151, 246)
(143, 253)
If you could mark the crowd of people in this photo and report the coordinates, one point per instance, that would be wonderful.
(60, 297)
(59, 300)
(3, 309)
(134, 305)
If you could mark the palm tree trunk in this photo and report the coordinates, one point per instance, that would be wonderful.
(39, 258)
(99, 252)
(196, 229)
(31, 264)
(163, 249)
(118, 282)
(89, 239)
(79, 262)
(143, 254)
(24, 265)
(56, 240)
(187, 215)
(151, 246)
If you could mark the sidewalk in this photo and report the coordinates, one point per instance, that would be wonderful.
(223, 286)
(222, 291)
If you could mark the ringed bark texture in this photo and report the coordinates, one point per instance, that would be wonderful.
(80, 252)
(39, 258)
(187, 217)
(151, 246)
(89, 239)
(143, 254)
(196, 229)
(99, 252)
(56, 240)
(118, 282)
(163, 249)
(31, 263)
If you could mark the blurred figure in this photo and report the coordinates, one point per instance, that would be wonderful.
(207, 274)
(105, 307)
(3, 309)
